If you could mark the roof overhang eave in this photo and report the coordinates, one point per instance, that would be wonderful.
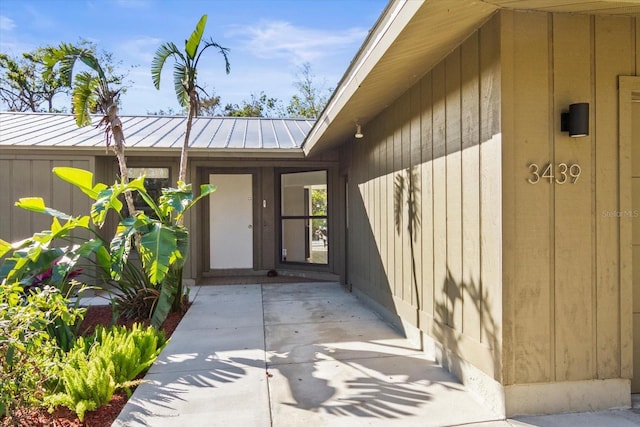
(390, 22)
(276, 153)
(409, 39)
(373, 81)
(271, 153)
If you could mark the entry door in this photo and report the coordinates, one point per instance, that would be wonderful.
(635, 188)
(231, 221)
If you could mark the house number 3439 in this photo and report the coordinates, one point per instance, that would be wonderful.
(560, 173)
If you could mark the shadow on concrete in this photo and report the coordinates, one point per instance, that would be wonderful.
(365, 384)
(162, 391)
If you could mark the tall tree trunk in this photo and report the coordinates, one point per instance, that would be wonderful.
(118, 149)
(182, 177)
(185, 146)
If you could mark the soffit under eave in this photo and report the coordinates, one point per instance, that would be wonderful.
(433, 31)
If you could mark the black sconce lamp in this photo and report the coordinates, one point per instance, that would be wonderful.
(576, 121)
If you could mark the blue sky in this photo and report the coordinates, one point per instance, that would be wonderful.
(268, 40)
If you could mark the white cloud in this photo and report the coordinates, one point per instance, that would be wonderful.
(6, 23)
(140, 50)
(278, 39)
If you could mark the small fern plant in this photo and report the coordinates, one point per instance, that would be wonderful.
(88, 383)
(107, 361)
(132, 351)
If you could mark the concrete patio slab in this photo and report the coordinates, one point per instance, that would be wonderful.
(306, 355)
(193, 350)
(299, 291)
(229, 291)
(214, 311)
(308, 342)
(396, 390)
(329, 309)
(229, 392)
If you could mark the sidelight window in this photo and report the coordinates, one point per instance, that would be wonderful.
(304, 225)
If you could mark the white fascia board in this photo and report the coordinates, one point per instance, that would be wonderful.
(397, 16)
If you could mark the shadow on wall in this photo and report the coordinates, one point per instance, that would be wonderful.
(456, 294)
(457, 314)
(406, 192)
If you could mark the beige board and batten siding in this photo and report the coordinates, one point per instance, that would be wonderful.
(26, 175)
(523, 283)
(561, 273)
(424, 205)
(635, 236)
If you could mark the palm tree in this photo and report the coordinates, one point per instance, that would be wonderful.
(90, 93)
(185, 78)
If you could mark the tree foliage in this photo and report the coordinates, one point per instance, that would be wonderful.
(311, 98)
(92, 87)
(209, 105)
(24, 85)
(257, 106)
(93, 90)
(27, 83)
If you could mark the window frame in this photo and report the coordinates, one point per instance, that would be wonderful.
(281, 218)
(167, 167)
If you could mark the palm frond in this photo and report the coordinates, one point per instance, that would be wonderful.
(223, 50)
(66, 55)
(180, 76)
(91, 61)
(192, 43)
(84, 97)
(65, 63)
(163, 53)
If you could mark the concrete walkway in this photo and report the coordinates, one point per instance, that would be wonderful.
(308, 355)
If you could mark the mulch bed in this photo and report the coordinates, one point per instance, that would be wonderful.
(103, 417)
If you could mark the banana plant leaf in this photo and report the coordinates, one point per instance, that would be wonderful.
(169, 291)
(36, 204)
(157, 248)
(80, 178)
(121, 246)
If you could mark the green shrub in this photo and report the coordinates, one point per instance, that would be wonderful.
(132, 351)
(107, 361)
(29, 353)
(88, 383)
(134, 296)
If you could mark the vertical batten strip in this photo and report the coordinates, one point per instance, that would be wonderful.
(612, 42)
(427, 207)
(439, 196)
(470, 107)
(453, 291)
(574, 330)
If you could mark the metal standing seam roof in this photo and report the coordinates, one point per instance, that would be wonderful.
(158, 132)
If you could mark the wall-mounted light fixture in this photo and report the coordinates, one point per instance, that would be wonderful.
(358, 132)
(576, 121)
